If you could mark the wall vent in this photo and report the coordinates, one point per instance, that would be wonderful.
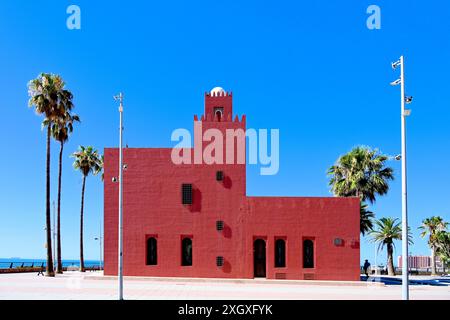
(219, 225)
(308, 276)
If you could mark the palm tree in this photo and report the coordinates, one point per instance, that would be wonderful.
(443, 247)
(431, 226)
(60, 130)
(87, 160)
(50, 98)
(388, 230)
(366, 219)
(360, 173)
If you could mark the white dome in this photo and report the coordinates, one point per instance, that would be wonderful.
(217, 91)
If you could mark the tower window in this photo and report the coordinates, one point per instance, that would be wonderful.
(280, 253)
(218, 112)
(219, 261)
(219, 175)
(186, 252)
(152, 253)
(219, 225)
(308, 254)
(186, 193)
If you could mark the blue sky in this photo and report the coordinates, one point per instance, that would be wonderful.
(311, 69)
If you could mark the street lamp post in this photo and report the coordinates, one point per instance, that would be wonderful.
(100, 256)
(404, 114)
(376, 265)
(100, 238)
(120, 245)
(101, 251)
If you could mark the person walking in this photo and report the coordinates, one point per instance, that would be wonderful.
(366, 268)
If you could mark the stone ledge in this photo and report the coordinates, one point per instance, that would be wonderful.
(243, 281)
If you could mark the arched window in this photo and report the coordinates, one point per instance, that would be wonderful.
(218, 115)
(186, 252)
(280, 253)
(152, 251)
(218, 112)
(308, 254)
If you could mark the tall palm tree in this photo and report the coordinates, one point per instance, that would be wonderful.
(387, 230)
(366, 217)
(362, 173)
(60, 130)
(50, 98)
(87, 160)
(431, 226)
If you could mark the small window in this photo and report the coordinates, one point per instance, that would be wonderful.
(219, 225)
(218, 112)
(186, 252)
(308, 254)
(152, 251)
(280, 253)
(219, 261)
(186, 191)
(219, 175)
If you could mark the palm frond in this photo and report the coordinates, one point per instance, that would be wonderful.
(87, 160)
(361, 172)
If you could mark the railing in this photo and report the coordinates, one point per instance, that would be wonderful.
(412, 271)
(21, 265)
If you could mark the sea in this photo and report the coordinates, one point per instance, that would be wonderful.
(21, 262)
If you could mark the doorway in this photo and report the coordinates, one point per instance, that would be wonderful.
(259, 258)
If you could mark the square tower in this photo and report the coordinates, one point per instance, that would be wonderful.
(218, 105)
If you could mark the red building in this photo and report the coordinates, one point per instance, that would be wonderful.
(195, 220)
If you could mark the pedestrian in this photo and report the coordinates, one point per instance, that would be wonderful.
(366, 268)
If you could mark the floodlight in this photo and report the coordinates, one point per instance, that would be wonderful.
(396, 82)
(395, 64)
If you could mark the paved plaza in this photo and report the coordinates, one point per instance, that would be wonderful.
(93, 285)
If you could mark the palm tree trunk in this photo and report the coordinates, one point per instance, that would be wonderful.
(81, 225)
(49, 268)
(58, 249)
(390, 262)
(433, 261)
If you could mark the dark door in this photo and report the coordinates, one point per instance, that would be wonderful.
(259, 257)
